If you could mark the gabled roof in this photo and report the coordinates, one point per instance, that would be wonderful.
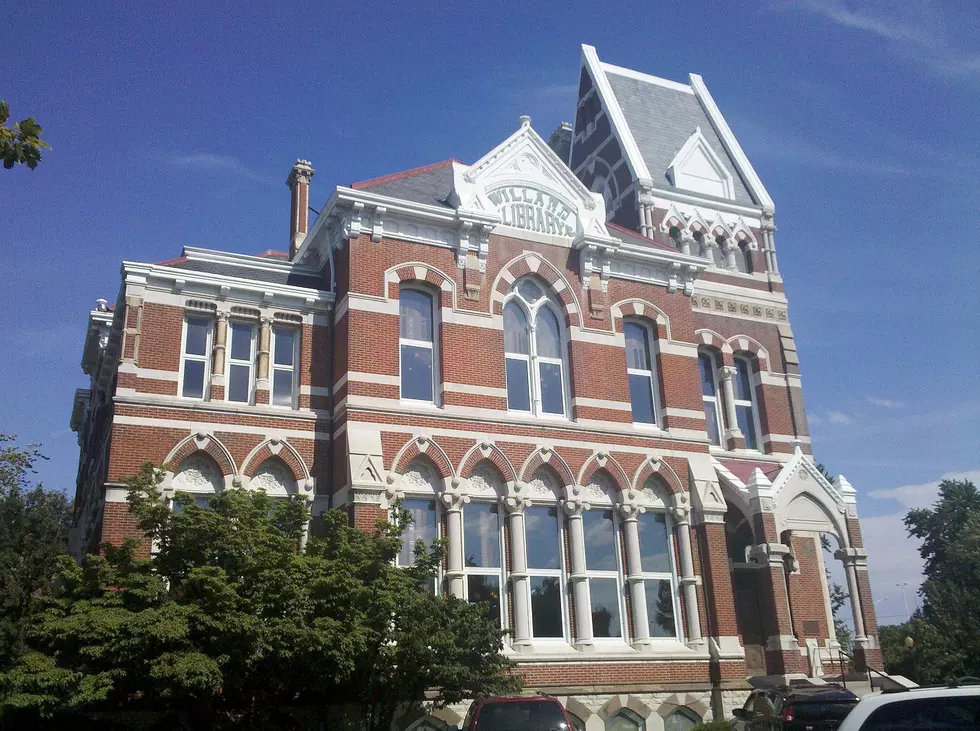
(428, 184)
(656, 117)
(266, 267)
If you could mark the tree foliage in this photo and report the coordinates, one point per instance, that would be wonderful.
(21, 143)
(945, 632)
(34, 525)
(229, 623)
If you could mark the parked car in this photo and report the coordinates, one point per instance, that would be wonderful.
(953, 707)
(795, 708)
(521, 713)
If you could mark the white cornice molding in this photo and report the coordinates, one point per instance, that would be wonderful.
(731, 144)
(742, 293)
(268, 264)
(590, 59)
(217, 285)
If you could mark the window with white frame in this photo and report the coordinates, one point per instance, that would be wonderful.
(196, 361)
(417, 345)
(745, 411)
(285, 355)
(534, 351)
(602, 562)
(419, 485)
(542, 527)
(241, 362)
(482, 552)
(640, 361)
(659, 577)
(710, 396)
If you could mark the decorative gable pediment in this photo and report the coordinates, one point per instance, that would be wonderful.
(696, 167)
(528, 187)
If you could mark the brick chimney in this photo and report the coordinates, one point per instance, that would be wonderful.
(299, 208)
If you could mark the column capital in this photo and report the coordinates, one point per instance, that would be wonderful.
(726, 372)
(455, 496)
(769, 553)
(575, 507)
(222, 315)
(515, 505)
(265, 321)
(852, 556)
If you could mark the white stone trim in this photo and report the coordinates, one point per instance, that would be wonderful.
(380, 378)
(155, 400)
(598, 403)
(684, 413)
(474, 390)
(792, 380)
(703, 286)
(786, 438)
(116, 494)
(314, 390)
(151, 374)
(193, 427)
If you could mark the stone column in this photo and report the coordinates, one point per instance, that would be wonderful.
(711, 248)
(782, 648)
(577, 577)
(850, 557)
(518, 573)
(687, 241)
(688, 581)
(262, 376)
(454, 552)
(725, 375)
(634, 577)
(219, 351)
(729, 248)
(769, 242)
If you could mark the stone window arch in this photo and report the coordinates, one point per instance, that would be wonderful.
(625, 719)
(275, 477)
(198, 474)
(681, 719)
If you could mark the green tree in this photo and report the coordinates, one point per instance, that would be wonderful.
(20, 143)
(229, 623)
(945, 631)
(34, 525)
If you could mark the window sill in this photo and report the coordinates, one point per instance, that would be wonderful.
(420, 404)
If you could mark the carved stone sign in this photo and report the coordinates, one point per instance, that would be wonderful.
(525, 207)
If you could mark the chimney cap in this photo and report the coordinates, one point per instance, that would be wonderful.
(301, 169)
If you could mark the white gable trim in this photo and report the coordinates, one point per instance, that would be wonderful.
(698, 143)
(590, 60)
(731, 144)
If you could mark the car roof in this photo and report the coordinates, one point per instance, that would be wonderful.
(870, 703)
(516, 699)
(828, 692)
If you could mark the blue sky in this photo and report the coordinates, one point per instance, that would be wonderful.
(175, 124)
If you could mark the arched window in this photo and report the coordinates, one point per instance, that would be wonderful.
(743, 257)
(657, 562)
(745, 412)
(198, 475)
(483, 541)
(710, 396)
(641, 368)
(603, 559)
(543, 549)
(682, 719)
(417, 342)
(275, 478)
(625, 720)
(419, 485)
(577, 723)
(534, 351)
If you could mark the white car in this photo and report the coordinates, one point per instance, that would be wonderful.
(954, 707)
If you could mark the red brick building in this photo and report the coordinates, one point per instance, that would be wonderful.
(578, 368)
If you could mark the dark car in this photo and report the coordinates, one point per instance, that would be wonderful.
(521, 713)
(795, 708)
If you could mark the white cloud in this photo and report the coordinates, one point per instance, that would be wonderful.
(208, 162)
(839, 417)
(916, 30)
(884, 402)
(925, 494)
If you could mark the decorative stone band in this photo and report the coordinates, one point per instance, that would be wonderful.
(736, 308)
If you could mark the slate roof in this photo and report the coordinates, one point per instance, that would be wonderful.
(662, 120)
(246, 272)
(431, 184)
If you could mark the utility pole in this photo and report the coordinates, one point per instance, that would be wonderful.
(905, 600)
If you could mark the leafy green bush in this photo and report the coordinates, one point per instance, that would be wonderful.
(713, 726)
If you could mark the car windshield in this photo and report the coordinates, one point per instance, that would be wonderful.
(912, 714)
(521, 716)
(823, 710)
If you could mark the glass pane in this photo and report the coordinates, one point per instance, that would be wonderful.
(422, 528)
(485, 589)
(193, 386)
(683, 719)
(546, 613)
(660, 608)
(541, 529)
(711, 421)
(547, 335)
(516, 338)
(241, 341)
(518, 388)
(481, 535)
(532, 714)
(238, 383)
(577, 723)
(624, 721)
(417, 372)
(600, 540)
(654, 554)
(552, 390)
(707, 365)
(529, 291)
(641, 398)
(284, 346)
(197, 337)
(743, 381)
(747, 424)
(605, 608)
(282, 388)
(637, 352)
(415, 308)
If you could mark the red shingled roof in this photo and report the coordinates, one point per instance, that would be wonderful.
(659, 244)
(171, 262)
(404, 174)
(273, 254)
(743, 469)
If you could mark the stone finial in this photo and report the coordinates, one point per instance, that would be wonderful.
(101, 305)
(525, 120)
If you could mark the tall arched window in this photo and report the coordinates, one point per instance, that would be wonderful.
(710, 396)
(682, 719)
(603, 558)
(641, 368)
(743, 257)
(534, 351)
(417, 344)
(545, 562)
(745, 412)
